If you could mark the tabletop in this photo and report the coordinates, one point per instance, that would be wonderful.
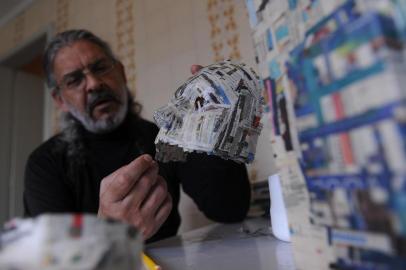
(246, 245)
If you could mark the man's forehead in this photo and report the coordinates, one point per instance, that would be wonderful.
(77, 55)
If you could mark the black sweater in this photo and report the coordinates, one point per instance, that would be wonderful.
(56, 181)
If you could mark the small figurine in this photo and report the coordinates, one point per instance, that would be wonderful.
(217, 111)
(69, 241)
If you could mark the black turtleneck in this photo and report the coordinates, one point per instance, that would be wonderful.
(61, 179)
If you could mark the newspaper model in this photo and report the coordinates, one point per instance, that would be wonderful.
(217, 111)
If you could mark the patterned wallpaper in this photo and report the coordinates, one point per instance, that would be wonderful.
(62, 15)
(125, 39)
(224, 32)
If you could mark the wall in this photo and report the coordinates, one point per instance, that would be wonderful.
(157, 40)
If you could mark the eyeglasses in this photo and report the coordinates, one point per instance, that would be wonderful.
(76, 80)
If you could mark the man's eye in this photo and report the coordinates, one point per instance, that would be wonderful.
(73, 81)
(100, 68)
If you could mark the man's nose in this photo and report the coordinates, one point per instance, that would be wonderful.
(92, 81)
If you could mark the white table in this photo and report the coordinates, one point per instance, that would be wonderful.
(248, 245)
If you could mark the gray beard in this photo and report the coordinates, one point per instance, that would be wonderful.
(97, 126)
(102, 125)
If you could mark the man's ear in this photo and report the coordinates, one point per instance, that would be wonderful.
(60, 103)
(121, 70)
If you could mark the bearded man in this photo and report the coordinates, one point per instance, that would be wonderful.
(102, 161)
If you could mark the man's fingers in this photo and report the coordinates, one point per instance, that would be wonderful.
(164, 211)
(120, 183)
(141, 189)
(157, 202)
(156, 221)
(195, 68)
(155, 198)
(138, 195)
(139, 166)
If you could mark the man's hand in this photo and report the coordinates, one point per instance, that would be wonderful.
(136, 194)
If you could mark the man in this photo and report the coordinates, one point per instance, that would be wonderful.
(102, 160)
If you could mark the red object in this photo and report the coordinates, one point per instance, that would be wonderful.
(256, 121)
(76, 228)
(344, 137)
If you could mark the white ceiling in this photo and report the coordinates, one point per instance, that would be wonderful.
(11, 8)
